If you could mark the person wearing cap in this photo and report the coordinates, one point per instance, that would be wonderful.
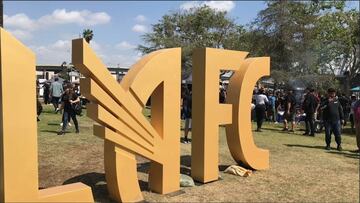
(333, 117)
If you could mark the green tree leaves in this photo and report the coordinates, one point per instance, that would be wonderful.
(303, 38)
(200, 27)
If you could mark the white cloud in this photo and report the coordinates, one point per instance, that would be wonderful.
(20, 21)
(84, 17)
(111, 55)
(95, 46)
(54, 53)
(21, 25)
(139, 28)
(125, 45)
(61, 44)
(21, 34)
(216, 5)
(189, 5)
(140, 18)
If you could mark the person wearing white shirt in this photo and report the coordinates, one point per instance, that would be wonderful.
(260, 107)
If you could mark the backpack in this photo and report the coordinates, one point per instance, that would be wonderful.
(77, 108)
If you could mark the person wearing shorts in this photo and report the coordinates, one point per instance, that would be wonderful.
(56, 90)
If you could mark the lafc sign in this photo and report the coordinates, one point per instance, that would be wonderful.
(127, 133)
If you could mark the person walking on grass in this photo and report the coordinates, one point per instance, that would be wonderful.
(333, 117)
(260, 107)
(290, 113)
(56, 90)
(310, 105)
(69, 99)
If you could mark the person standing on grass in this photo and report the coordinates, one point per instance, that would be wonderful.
(187, 105)
(272, 107)
(310, 105)
(333, 117)
(356, 116)
(260, 107)
(290, 113)
(46, 87)
(69, 99)
(351, 117)
(39, 107)
(56, 90)
(346, 106)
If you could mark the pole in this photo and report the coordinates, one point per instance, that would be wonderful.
(1, 14)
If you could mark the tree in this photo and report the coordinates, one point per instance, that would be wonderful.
(196, 28)
(64, 73)
(288, 31)
(88, 35)
(284, 31)
(339, 43)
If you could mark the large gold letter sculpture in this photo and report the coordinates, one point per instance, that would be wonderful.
(118, 108)
(238, 134)
(208, 114)
(18, 131)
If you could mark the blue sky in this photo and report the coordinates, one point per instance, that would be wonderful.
(48, 27)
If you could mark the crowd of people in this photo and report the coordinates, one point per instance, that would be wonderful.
(330, 111)
(65, 97)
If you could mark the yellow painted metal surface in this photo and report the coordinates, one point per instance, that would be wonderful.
(208, 114)
(118, 110)
(18, 135)
(239, 136)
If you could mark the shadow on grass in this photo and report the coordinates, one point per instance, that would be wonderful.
(304, 146)
(50, 131)
(346, 154)
(278, 130)
(185, 161)
(57, 124)
(223, 167)
(97, 181)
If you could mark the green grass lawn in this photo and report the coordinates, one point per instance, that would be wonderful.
(300, 169)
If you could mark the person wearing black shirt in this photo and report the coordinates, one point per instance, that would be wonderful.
(69, 98)
(187, 105)
(310, 105)
(46, 93)
(333, 117)
(289, 106)
(346, 106)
